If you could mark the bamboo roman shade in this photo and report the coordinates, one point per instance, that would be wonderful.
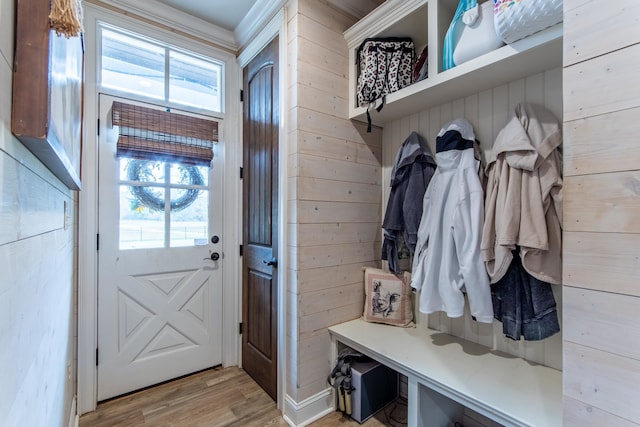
(150, 134)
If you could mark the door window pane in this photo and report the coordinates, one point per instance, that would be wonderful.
(144, 210)
(141, 171)
(194, 82)
(140, 226)
(189, 227)
(132, 65)
(189, 175)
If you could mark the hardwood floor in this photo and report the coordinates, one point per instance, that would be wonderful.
(215, 397)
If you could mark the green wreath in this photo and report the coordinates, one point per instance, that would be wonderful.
(137, 170)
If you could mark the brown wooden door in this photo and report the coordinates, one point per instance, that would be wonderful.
(260, 230)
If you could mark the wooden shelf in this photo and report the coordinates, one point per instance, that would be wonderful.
(505, 388)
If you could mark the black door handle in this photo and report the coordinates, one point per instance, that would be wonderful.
(215, 256)
(273, 262)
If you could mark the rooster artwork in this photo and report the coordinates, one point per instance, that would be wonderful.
(383, 299)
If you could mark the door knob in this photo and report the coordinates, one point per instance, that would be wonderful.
(273, 262)
(215, 256)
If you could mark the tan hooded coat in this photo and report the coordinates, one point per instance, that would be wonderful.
(523, 202)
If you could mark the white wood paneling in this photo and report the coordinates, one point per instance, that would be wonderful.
(335, 192)
(28, 206)
(601, 207)
(577, 413)
(37, 253)
(7, 17)
(607, 202)
(488, 111)
(616, 28)
(335, 20)
(310, 280)
(602, 261)
(603, 84)
(592, 315)
(603, 143)
(605, 380)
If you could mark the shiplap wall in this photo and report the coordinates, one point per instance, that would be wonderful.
(488, 112)
(601, 67)
(334, 199)
(37, 274)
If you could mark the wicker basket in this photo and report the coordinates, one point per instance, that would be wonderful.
(517, 19)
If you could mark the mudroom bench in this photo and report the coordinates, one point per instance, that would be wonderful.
(446, 374)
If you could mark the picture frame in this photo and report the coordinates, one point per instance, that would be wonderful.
(47, 98)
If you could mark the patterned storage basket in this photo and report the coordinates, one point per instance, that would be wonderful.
(517, 19)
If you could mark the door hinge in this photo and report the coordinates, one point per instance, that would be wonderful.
(241, 250)
(241, 95)
(98, 242)
(98, 127)
(241, 172)
(96, 357)
(240, 328)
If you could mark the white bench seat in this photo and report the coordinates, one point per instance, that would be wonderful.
(446, 373)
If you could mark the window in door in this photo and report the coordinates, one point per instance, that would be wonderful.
(164, 159)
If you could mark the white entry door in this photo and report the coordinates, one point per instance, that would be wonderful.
(160, 266)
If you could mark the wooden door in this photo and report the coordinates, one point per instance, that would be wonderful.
(260, 230)
(159, 287)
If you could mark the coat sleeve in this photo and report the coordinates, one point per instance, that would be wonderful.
(422, 244)
(467, 234)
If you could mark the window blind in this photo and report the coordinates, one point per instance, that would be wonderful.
(149, 134)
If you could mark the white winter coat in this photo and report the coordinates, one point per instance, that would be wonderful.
(447, 258)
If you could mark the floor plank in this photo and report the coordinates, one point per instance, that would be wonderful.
(215, 397)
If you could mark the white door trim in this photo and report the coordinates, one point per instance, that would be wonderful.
(278, 27)
(88, 200)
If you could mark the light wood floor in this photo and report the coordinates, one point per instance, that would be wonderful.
(215, 397)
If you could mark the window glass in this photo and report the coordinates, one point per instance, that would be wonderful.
(144, 209)
(154, 70)
(140, 226)
(141, 171)
(189, 227)
(132, 65)
(194, 82)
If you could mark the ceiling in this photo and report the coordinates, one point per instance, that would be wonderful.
(226, 14)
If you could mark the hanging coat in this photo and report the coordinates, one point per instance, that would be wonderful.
(448, 262)
(412, 170)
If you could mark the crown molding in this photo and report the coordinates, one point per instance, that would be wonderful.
(256, 19)
(178, 20)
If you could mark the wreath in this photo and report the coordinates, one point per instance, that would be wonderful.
(138, 170)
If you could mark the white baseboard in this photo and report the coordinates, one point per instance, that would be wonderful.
(74, 418)
(300, 414)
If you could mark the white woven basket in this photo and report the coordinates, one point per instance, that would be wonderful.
(517, 19)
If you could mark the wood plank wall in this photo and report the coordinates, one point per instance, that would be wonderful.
(334, 200)
(488, 112)
(602, 206)
(37, 273)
